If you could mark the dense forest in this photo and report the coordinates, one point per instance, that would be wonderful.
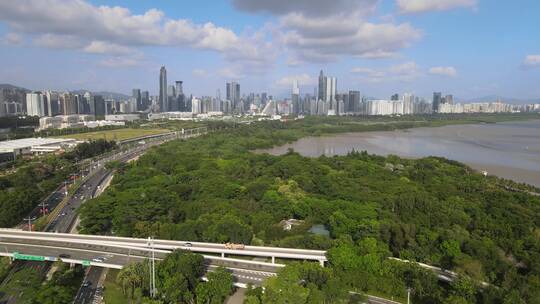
(431, 210)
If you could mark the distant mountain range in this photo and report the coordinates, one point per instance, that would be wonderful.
(105, 94)
(10, 86)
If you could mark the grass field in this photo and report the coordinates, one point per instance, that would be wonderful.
(118, 134)
(112, 291)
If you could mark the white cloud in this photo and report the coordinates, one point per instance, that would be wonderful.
(443, 71)
(56, 41)
(532, 61)
(119, 62)
(112, 30)
(419, 6)
(303, 79)
(231, 73)
(327, 38)
(407, 71)
(103, 47)
(307, 7)
(12, 39)
(199, 72)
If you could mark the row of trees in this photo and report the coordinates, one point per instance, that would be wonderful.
(178, 280)
(430, 210)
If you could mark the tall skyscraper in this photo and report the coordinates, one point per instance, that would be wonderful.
(179, 88)
(145, 100)
(137, 98)
(408, 103)
(354, 101)
(322, 87)
(327, 89)
(163, 100)
(34, 104)
(53, 106)
(233, 95)
(331, 89)
(97, 106)
(449, 99)
(68, 103)
(295, 98)
(436, 101)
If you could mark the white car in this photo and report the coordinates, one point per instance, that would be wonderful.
(98, 259)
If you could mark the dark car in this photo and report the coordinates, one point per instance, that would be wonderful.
(64, 255)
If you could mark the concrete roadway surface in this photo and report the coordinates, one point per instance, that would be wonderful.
(89, 287)
(67, 216)
(242, 271)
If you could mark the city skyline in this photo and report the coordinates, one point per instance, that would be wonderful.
(459, 46)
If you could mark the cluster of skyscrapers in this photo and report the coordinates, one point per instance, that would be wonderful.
(325, 100)
(52, 103)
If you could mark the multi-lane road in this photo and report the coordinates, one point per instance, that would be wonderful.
(65, 218)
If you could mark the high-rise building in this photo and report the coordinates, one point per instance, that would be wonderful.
(145, 100)
(53, 103)
(295, 98)
(331, 89)
(327, 89)
(322, 87)
(180, 103)
(408, 103)
(264, 99)
(97, 106)
(449, 99)
(68, 103)
(179, 88)
(437, 98)
(171, 99)
(34, 104)
(354, 101)
(12, 101)
(82, 106)
(395, 97)
(137, 99)
(163, 100)
(233, 95)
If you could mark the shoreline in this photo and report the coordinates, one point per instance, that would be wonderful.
(483, 147)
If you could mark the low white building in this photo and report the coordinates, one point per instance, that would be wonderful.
(64, 121)
(103, 123)
(123, 117)
(171, 115)
(36, 146)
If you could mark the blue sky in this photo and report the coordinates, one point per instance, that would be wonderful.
(469, 48)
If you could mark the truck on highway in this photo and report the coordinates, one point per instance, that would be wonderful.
(234, 246)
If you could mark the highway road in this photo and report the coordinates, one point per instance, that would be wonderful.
(66, 217)
(244, 271)
(76, 241)
(87, 291)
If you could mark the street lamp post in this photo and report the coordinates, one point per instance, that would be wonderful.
(29, 219)
(152, 265)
